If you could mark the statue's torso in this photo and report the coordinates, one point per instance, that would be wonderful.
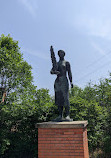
(61, 82)
(62, 68)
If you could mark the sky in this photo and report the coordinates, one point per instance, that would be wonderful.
(82, 28)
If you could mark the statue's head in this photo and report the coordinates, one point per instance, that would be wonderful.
(61, 53)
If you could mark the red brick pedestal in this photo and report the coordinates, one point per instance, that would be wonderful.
(62, 139)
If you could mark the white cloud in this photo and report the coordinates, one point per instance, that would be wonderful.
(36, 53)
(30, 5)
(95, 26)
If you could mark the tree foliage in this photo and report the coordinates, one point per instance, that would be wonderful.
(93, 103)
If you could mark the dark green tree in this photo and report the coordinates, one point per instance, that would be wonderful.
(16, 78)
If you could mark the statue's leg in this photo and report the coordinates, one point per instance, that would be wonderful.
(60, 108)
(59, 100)
(67, 108)
(66, 103)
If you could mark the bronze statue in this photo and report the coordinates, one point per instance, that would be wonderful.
(61, 85)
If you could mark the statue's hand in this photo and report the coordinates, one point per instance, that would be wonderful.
(72, 85)
(52, 72)
(55, 72)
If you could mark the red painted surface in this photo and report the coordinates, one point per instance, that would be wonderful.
(62, 143)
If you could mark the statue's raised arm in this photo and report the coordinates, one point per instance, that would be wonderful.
(54, 62)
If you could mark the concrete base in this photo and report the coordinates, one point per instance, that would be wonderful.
(62, 139)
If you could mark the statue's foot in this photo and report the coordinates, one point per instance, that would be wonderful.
(61, 119)
(68, 119)
(58, 119)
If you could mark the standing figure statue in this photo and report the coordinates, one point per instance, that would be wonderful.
(61, 85)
